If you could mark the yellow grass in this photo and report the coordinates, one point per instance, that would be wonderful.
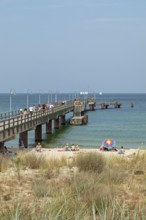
(63, 185)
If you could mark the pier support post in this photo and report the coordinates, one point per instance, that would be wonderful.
(56, 123)
(77, 108)
(117, 105)
(2, 147)
(91, 106)
(49, 127)
(85, 119)
(62, 117)
(104, 105)
(38, 133)
(23, 139)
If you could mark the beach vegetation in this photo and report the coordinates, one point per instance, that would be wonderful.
(90, 162)
(30, 160)
(40, 187)
(4, 163)
(87, 186)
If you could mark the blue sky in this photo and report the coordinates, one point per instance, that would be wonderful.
(73, 45)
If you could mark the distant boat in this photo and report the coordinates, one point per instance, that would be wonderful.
(100, 93)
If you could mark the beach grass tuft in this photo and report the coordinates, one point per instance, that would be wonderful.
(90, 162)
(31, 160)
(88, 185)
(4, 163)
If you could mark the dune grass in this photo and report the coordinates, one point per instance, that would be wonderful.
(4, 163)
(91, 186)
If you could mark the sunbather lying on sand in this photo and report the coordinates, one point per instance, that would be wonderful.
(72, 148)
(121, 151)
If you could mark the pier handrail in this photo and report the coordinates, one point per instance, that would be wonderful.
(38, 117)
(16, 113)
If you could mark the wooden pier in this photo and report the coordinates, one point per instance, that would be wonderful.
(92, 103)
(106, 105)
(15, 124)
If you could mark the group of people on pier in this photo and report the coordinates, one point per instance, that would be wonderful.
(32, 109)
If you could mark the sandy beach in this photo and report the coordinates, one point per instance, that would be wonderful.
(59, 152)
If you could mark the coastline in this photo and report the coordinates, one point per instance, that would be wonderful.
(126, 125)
(59, 152)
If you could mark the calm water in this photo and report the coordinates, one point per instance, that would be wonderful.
(126, 125)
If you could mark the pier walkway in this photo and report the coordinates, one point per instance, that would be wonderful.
(14, 123)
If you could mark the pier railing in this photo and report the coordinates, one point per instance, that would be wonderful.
(15, 123)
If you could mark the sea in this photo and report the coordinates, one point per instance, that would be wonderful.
(126, 125)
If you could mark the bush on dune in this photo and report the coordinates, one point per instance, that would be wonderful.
(30, 160)
(91, 161)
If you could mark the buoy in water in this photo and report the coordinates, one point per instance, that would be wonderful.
(132, 104)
